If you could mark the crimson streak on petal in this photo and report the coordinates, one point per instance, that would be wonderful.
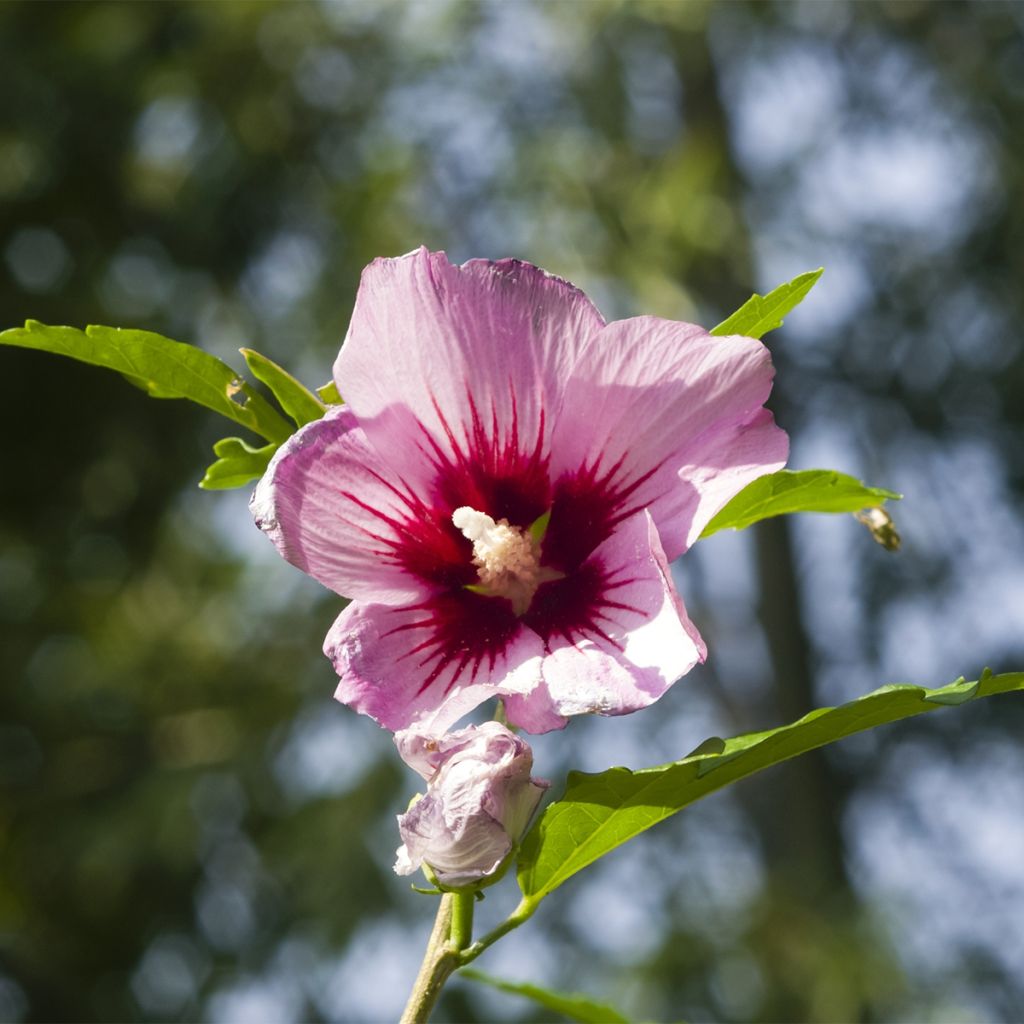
(490, 472)
(465, 631)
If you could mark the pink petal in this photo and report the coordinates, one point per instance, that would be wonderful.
(725, 462)
(645, 640)
(459, 852)
(326, 501)
(676, 415)
(432, 346)
(427, 665)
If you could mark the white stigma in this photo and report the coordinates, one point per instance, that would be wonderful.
(507, 557)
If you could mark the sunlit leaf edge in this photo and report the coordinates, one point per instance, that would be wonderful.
(583, 826)
(160, 366)
(294, 397)
(763, 313)
(788, 491)
(328, 394)
(238, 464)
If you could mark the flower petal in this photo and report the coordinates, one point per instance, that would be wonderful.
(428, 664)
(458, 853)
(425, 750)
(436, 353)
(334, 510)
(669, 417)
(723, 463)
(643, 640)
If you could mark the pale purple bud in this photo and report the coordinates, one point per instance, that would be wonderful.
(479, 800)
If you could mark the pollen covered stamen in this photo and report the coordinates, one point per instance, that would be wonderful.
(507, 557)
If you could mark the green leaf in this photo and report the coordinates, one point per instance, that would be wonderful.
(601, 812)
(573, 1005)
(806, 490)
(329, 393)
(296, 399)
(161, 367)
(763, 313)
(237, 464)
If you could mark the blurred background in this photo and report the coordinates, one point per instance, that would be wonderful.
(190, 828)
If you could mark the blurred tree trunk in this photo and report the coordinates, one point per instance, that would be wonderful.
(798, 808)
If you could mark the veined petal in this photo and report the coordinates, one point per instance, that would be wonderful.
(437, 353)
(723, 462)
(663, 415)
(428, 664)
(459, 852)
(639, 643)
(335, 510)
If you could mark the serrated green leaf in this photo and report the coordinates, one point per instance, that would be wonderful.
(763, 313)
(601, 812)
(573, 1005)
(329, 394)
(296, 399)
(238, 463)
(161, 367)
(806, 490)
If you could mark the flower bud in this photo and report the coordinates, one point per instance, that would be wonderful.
(479, 800)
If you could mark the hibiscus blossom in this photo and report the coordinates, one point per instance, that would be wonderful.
(503, 490)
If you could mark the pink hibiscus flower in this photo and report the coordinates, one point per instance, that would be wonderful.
(504, 488)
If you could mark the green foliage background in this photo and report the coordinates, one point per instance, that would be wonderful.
(189, 827)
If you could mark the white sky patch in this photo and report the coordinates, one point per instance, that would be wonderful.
(328, 750)
(916, 166)
(784, 102)
(829, 550)
(39, 259)
(266, 1000)
(945, 852)
(895, 177)
(168, 130)
(613, 914)
(286, 272)
(521, 40)
(838, 295)
(140, 278)
(168, 976)
(971, 615)
(371, 982)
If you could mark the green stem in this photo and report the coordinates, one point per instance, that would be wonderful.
(520, 915)
(453, 931)
(462, 920)
(438, 963)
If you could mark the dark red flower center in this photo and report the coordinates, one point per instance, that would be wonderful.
(465, 626)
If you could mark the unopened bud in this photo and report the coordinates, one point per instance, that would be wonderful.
(479, 801)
